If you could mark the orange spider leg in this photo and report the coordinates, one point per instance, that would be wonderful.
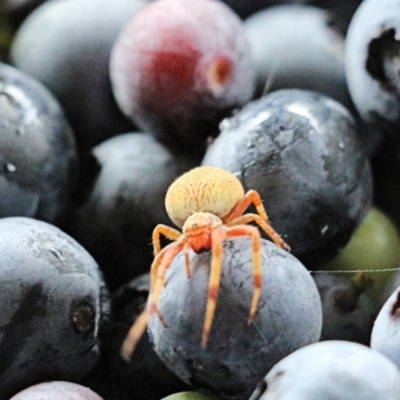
(159, 267)
(251, 197)
(254, 233)
(217, 238)
(165, 230)
(134, 335)
(266, 227)
(138, 328)
(159, 281)
(187, 259)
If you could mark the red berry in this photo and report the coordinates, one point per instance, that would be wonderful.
(180, 66)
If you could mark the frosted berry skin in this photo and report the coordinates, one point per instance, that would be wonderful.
(335, 369)
(371, 59)
(54, 304)
(238, 354)
(38, 157)
(300, 151)
(177, 77)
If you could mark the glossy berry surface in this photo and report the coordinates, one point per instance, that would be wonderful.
(334, 370)
(300, 151)
(38, 158)
(75, 66)
(177, 77)
(54, 303)
(238, 354)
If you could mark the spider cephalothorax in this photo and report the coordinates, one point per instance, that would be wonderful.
(208, 204)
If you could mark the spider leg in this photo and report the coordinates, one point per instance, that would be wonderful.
(187, 259)
(165, 230)
(160, 257)
(159, 267)
(264, 225)
(138, 328)
(251, 197)
(135, 333)
(253, 232)
(217, 238)
(171, 251)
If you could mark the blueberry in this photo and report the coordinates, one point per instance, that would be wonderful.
(56, 390)
(300, 151)
(371, 51)
(386, 332)
(178, 77)
(331, 370)
(296, 46)
(66, 45)
(54, 306)
(123, 200)
(348, 312)
(145, 376)
(237, 355)
(38, 159)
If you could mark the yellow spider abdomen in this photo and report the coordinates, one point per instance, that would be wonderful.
(203, 189)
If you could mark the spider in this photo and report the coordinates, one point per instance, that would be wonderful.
(208, 203)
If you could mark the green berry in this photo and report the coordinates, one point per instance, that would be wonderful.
(375, 246)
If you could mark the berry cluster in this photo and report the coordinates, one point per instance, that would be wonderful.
(199, 199)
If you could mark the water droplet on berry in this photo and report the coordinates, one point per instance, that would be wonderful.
(224, 124)
(8, 167)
